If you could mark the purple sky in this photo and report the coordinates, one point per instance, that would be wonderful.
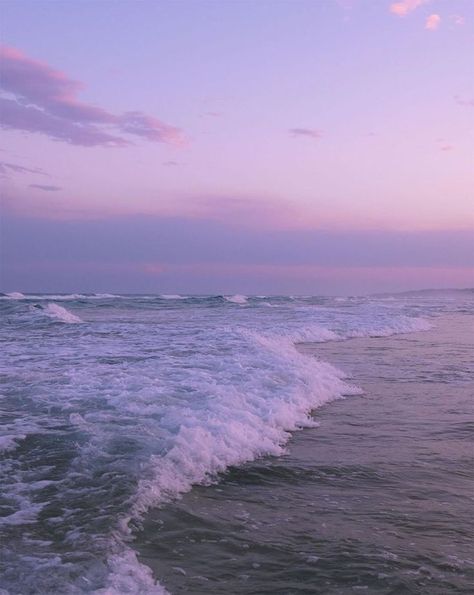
(195, 146)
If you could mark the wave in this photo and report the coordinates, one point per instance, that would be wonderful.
(14, 295)
(236, 299)
(103, 296)
(396, 326)
(172, 296)
(61, 314)
(243, 422)
(10, 441)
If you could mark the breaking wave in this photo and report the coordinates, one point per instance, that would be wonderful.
(236, 299)
(60, 314)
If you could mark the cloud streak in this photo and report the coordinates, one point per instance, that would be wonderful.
(305, 132)
(37, 98)
(6, 168)
(45, 187)
(464, 102)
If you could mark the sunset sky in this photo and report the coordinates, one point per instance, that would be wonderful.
(266, 146)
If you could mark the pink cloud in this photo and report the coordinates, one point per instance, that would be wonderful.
(413, 276)
(44, 100)
(152, 268)
(308, 132)
(465, 102)
(404, 7)
(444, 145)
(433, 22)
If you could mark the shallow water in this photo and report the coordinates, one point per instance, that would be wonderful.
(114, 406)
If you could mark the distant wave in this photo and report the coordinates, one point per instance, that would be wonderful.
(396, 326)
(14, 295)
(61, 314)
(171, 296)
(102, 296)
(236, 299)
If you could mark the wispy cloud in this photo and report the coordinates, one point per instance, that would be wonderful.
(43, 100)
(170, 163)
(213, 114)
(458, 19)
(6, 168)
(45, 187)
(404, 7)
(444, 145)
(464, 102)
(433, 22)
(307, 132)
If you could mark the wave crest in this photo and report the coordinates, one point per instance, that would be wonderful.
(60, 313)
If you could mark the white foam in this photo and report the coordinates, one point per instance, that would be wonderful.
(15, 295)
(103, 296)
(61, 314)
(128, 575)
(245, 422)
(172, 296)
(236, 299)
(9, 442)
(399, 325)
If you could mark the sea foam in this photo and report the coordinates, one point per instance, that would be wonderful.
(236, 299)
(60, 314)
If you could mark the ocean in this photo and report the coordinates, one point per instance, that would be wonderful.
(236, 444)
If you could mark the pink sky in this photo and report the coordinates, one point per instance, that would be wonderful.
(326, 116)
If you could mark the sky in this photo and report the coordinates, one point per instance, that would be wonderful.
(198, 146)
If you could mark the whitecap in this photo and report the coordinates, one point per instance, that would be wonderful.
(15, 295)
(61, 314)
(236, 299)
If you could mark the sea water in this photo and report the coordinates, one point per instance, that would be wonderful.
(148, 444)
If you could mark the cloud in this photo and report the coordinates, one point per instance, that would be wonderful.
(404, 7)
(433, 22)
(6, 168)
(458, 19)
(43, 100)
(46, 188)
(447, 147)
(464, 102)
(308, 132)
(201, 256)
(170, 163)
(31, 119)
(150, 128)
